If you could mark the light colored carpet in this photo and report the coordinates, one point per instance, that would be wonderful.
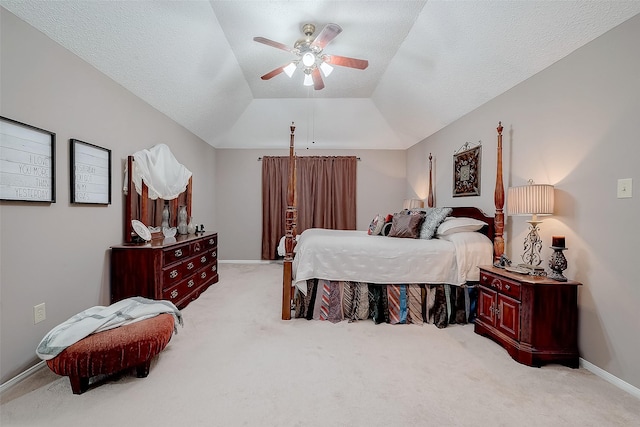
(235, 363)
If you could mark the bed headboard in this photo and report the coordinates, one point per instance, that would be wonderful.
(475, 213)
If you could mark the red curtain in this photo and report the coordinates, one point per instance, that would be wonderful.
(326, 196)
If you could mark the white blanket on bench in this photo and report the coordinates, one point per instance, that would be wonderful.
(99, 318)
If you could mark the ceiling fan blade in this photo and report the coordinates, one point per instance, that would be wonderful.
(328, 33)
(317, 79)
(272, 43)
(345, 61)
(273, 73)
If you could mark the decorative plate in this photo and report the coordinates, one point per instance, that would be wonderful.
(141, 230)
(519, 270)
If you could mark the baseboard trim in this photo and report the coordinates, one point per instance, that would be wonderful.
(247, 261)
(22, 376)
(623, 385)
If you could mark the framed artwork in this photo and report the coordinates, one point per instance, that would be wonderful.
(90, 173)
(27, 162)
(466, 171)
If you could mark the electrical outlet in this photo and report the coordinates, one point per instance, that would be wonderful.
(39, 313)
(625, 188)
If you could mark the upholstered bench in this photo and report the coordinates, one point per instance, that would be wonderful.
(114, 350)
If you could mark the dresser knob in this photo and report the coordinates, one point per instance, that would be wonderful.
(211, 241)
(507, 287)
(191, 283)
(174, 293)
(173, 274)
(190, 266)
(203, 275)
(203, 259)
(178, 252)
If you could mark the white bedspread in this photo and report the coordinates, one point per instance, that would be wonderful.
(359, 257)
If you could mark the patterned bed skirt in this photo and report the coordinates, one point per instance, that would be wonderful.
(395, 304)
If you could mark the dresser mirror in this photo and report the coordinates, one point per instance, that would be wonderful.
(145, 202)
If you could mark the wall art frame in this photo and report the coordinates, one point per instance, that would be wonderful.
(466, 171)
(90, 173)
(27, 162)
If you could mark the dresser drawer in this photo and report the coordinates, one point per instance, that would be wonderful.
(175, 253)
(198, 247)
(210, 242)
(502, 284)
(179, 291)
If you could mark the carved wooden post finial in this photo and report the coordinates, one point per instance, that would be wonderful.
(430, 196)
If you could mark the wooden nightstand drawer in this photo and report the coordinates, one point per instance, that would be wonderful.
(506, 286)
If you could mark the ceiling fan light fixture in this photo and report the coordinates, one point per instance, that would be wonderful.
(308, 59)
(290, 69)
(310, 56)
(326, 69)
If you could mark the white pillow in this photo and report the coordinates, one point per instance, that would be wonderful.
(453, 225)
(375, 228)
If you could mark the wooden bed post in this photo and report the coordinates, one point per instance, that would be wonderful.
(498, 197)
(290, 227)
(430, 197)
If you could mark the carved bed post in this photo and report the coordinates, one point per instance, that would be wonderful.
(290, 230)
(498, 197)
(430, 197)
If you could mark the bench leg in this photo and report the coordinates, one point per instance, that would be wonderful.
(142, 370)
(78, 385)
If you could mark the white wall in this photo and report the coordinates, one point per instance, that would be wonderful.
(381, 180)
(59, 253)
(574, 125)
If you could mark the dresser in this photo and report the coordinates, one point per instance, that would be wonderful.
(176, 269)
(534, 318)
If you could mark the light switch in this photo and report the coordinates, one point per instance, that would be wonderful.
(625, 188)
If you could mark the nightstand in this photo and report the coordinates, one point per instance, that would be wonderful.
(534, 318)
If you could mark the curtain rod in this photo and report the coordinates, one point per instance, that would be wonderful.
(357, 158)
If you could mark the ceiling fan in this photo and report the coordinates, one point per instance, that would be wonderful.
(310, 56)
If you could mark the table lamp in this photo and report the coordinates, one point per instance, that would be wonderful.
(532, 199)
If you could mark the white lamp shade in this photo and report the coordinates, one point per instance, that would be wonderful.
(290, 69)
(326, 69)
(412, 204)
(533, 199)
(308, 80)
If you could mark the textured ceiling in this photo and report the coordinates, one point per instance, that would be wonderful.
(430, 62)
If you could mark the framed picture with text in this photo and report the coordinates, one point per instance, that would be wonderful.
(466, 171)
(27, 162)
(90, 173)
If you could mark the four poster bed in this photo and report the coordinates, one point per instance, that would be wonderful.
(351, 275)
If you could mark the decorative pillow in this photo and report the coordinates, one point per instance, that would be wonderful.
(434, 218)
(407, 226)
(387, 228)
(376, 225)
(456, 225)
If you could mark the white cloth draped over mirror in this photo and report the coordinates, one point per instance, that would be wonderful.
(165, 177)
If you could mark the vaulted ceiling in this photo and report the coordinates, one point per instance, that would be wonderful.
(430, 62)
